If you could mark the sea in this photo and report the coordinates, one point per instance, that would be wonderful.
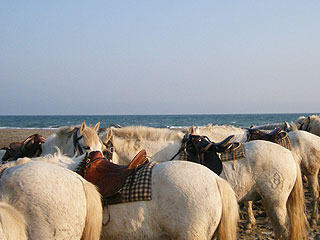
(161, 121)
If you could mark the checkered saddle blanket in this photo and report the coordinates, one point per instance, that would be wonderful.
(284, 140)
(236, 152)
(137, 187)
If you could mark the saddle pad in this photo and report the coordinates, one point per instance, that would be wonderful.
(284, 140)
(234, 153)
(137, 187)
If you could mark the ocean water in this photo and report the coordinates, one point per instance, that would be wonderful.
(240, 120)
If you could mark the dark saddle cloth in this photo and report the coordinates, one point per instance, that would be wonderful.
(276, 136)
(110, 177)
(31, 147)
(201, 150)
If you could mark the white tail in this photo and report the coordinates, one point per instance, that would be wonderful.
(228, 226)
(93, 225)
(12, 223)
(296, 210)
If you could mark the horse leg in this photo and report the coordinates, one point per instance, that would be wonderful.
(250, 217)
(314, 187)
(277, 213)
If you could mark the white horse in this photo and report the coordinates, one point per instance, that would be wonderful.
(305, 150)
(309, 124)
(268, 171)
(72, 141)
(12, 223)
(55, 203)
(188, 202)
(285, 126)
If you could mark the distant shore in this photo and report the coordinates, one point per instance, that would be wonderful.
(9, 135)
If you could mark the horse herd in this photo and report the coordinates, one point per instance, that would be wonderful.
(43, 197)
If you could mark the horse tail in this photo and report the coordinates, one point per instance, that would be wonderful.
(296, 210)
(12, 223)
(93, 224)
(228, 225)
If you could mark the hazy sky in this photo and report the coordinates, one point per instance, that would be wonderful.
(159, 57)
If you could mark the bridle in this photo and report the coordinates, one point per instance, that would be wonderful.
(109, 144)
(109, 149)
(76, 143)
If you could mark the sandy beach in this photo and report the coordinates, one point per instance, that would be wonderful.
(9, 135)
(262, 231)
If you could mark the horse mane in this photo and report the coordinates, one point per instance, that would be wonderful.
(63, 131)
(66, 132)
(228, 128)
(147, 133)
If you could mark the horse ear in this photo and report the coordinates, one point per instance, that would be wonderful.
(192, 131)
(108, 136)
(293, 127)
(286, 126)
(96, 127)
(82, 127)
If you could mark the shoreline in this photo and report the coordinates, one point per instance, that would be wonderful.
(9, 135)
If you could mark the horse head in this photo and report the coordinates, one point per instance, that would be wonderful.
(290, 127)
(86, 139)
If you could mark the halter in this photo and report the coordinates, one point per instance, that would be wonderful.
(76, 143)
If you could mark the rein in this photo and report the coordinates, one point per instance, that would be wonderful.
(183, 146)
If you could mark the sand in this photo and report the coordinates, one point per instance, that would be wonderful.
(8, 136)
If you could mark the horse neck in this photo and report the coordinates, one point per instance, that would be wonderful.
(61, 160)
(158, 150)
(218, 133)
(65, 145)
(304, 144)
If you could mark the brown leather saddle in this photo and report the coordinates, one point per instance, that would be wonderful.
(255, 134)
(110, 177)
(31, 147)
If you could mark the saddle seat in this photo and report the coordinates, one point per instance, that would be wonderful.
(224, 144)
(110, 177)
(31, 147)
(255, 134)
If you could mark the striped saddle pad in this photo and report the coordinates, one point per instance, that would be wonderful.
(137, 187)
(283, 140)
(236, 152)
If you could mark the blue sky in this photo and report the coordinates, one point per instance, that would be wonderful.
(159, 57)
